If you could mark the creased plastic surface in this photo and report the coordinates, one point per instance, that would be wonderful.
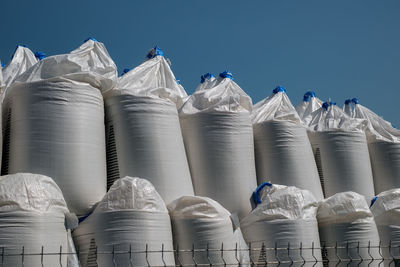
(121, 228)
(90, 63)
(286, 215)
(153, 78)
(335, 119)
(57, 129)
(131, 193)
(223, 96)
(275, 107)
(203, 223)
(32, 214)
(22, 60)
(346, 221)
(148, 141)
(386, 211)
(1, 78)
(283, 151)
(30, 193)
(305, 109)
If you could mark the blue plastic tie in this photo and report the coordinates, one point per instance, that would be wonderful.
(126, 70)
(279, 89)
(347, 102)
(256, 194)
(325, 105)
(310, 93)
(355, 101)
(3, 65)
(156, 51)
(226, 74)
(178, 81)
(332, 103)
(90, 38)
(373, 200)
(205, 77)
(40, 55)
(306, 98)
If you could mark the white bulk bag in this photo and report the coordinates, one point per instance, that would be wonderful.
(144, 137)
(130, 220)
(348, 231)
(53, 118)
(283, 151)
(33, 220)
(21, 61)
(283, 227)
(386, 211)
(341, 151)
(202, 225)
(384, 147)
(309, 104)
(218, 137)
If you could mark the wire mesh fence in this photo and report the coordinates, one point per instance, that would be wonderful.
(340, 254)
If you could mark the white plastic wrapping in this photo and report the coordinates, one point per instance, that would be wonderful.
(132, 217)
(33, 214)
(384, 147)
(386, 211)
(21, 61)
(201, 223)
(218, 136)
(309, 104)
(283, 151)
(341, 152)
(143, 121)
(285, 216)
(347, 228)
(55, 126)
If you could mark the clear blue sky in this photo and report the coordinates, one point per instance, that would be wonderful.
(341, 49)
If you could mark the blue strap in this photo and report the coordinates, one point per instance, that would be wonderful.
(325, 105)
(373, 200)
(90, 38)
(226, 74)
(279, 89)
(256, 194)
(205, 77)
(40, 55)
(355, 101)
(156, 51)
(347, 101)
(308, 95)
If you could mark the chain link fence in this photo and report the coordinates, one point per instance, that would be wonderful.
(348, 254)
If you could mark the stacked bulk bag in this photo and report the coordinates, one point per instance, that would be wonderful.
(129, 227)
(348, 231)
(33, 220)
(283, 227)
(54, 123)
(282, 149)
(386, 211)
(309, 104)
(341, 151)
(202, 225)
(384, 146)
(144, 137)
(218, 137)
